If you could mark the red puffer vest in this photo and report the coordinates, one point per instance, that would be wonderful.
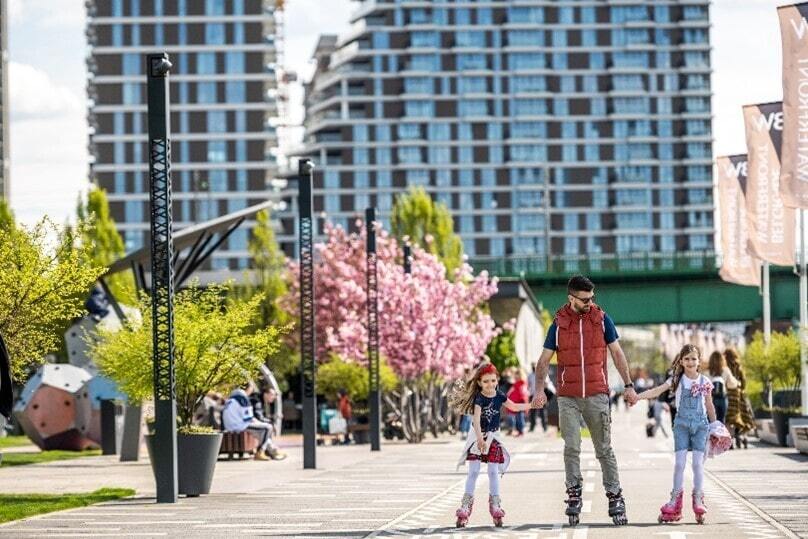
(581, 352)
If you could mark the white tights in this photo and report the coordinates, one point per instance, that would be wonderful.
(679, 470)
(474, 472)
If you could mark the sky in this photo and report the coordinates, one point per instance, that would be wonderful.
(47, 85)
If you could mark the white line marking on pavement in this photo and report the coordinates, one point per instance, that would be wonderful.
(590, 473)
(587, 506)
(751, 506)
(28, 530)
(359, 520)
(410, 500)
(129, 534)
(589, 487)
(294, 525)
(152, 522)
(427, 503)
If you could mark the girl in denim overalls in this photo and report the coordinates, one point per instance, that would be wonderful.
(694, 407)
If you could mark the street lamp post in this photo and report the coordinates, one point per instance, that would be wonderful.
(308, 360)
(162, 276)
(374, 395)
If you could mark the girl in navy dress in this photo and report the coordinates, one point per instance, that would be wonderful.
(479, 396)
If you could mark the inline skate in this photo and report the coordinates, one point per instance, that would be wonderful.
(464, 512)
(672, 511)
(699, 509)
(496, 510)
(617, 507)
(574, 504)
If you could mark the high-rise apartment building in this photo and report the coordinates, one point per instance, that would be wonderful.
(561, 128)
(224, 98)
(5, 187)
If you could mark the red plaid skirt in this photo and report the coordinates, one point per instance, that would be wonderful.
(495, 454)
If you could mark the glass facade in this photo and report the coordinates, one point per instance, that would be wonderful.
(547, 127)
(224, 87)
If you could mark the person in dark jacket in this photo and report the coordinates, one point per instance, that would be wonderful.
(260, 400)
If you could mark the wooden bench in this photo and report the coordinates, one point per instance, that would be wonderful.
(238, 443)
(798, 429)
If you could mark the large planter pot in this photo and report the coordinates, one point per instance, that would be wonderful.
(196, 461)
(781, 425)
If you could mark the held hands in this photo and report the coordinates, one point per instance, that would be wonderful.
(631, 396)
(539, 401)
(481, 443)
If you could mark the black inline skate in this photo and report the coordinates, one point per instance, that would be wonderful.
(617, 507)
(574, 504)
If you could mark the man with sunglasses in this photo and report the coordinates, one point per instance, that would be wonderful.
(580, 334)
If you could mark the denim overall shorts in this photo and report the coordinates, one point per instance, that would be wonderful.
(690, 427)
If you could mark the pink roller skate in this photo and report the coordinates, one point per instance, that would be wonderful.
(464, 512)
(496, 510)
(671, 511)
(699, 509)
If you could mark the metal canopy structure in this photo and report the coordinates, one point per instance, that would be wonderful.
(192, 246)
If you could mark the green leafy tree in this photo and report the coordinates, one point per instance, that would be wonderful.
(216, 348)
(778, 363)
(6, 216)
(502, 351)
(100, 241)
(40, 292)
(428, 224)
(336, 374)
(267, 280)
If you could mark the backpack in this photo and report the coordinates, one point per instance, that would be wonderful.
(719, 391)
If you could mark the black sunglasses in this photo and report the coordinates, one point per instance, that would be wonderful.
(585, 301)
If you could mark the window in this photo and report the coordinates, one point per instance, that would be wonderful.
(418, 85)
(383, 156)
(471, 61)
(131, 64)
(409, 155)
(217, 151)
(630, 59)
(217, 121)
(440, 155)
(214, 33)
(529, 130)
(133, 211)
(526, 60)
(529, 106)
(234, 62)
(473, 107)
(235, 91)
(381, 40)
(425, 39)
(589, 38)
(131, 93)
(485, 15)
(526, 15)
(526, 38)
(361, 156)
(470, 39)
(439, 131)
(472, 85)
(206, 63)
(528, 152)
(425, 62)
(409, 131)
(417, 177)
(214, 7)
(419, 108)
(529, 83)
(206, 92)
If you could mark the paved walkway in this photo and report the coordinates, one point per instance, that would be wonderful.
(412, 490)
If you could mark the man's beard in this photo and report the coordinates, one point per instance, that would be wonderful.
(582, 310)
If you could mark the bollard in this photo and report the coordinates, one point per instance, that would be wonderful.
(108, 438)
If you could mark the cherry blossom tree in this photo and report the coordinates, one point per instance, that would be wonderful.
(431, 328)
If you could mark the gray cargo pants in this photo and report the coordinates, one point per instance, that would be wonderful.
(596, 413)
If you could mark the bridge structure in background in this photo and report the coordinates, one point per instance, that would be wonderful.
(652, 288)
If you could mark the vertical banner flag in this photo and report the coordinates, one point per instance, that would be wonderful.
(738, 266)
(794, 158)
(771, 224)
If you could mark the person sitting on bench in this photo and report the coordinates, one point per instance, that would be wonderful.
(238, 416)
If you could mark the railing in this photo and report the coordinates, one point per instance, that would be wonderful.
(692, 262)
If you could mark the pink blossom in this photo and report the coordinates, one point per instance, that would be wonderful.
(427, 323)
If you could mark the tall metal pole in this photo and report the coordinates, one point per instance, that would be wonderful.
(803, 333)
(407, 259)
(374, 397)
(308, 361)
(162, 275)
(767, 320)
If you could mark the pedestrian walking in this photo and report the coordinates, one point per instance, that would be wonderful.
(693, 394)
(479, 396)
(722, 380)
(518, 393)
(740, 419)
(581, 334)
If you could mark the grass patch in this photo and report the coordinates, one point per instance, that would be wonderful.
(14, 441)
(17, 506)
(37, 457)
